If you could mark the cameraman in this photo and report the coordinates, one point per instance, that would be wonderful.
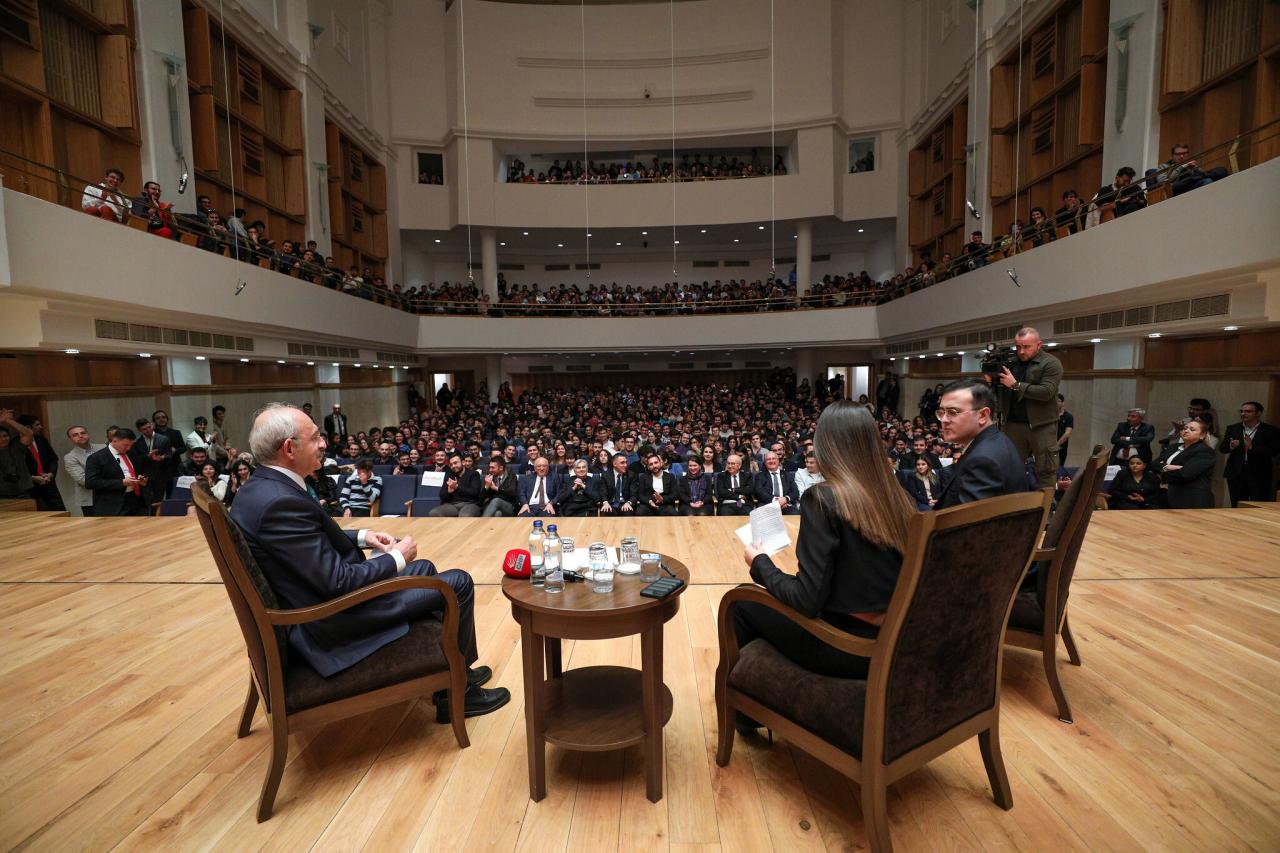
(1029, 400)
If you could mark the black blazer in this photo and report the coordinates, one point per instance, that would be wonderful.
(642, 492)
(308, 559)
(103, 476)
(1266, 446)
(586, 497)
(142, 461)
(917, 490)
(608, 489)
(470, 488)
(1124, 485)
(1140, 439)
(840, 572)
(988, 468)
(763, 487)
(506, 489)
(331, 425)
(1191, 487)
(725, 493)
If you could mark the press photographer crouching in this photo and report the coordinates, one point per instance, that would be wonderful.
(1026, 382)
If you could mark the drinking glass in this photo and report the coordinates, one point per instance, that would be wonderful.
(601, 572)
(566, 554)
(629, 555)
(650, 567)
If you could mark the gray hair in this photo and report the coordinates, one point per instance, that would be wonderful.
(1141, 412)
(273, 425)
(578, 462)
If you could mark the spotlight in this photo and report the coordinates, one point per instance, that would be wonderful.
(144, 355)
(182, 183)
(559, 245)
(72, 351)
(241, 286)
(1154, 335)
(860, 230)
(1230, 328)
(311, 364)
(201, 358)
(759, 227)
(438, 240)
(973, 211)
(244, 361)
(735, 239)
(1013, 276)
(1095, 340)
(279, 361)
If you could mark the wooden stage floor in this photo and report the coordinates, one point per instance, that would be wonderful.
(123, 675)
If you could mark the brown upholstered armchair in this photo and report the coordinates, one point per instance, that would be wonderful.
(1055, 567)
(293, 694)
(934, 679)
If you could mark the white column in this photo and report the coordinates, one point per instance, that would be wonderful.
(161, 52)
(804, 256)
(489, 265)
(493, 375)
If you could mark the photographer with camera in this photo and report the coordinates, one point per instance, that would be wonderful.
(1028, 393)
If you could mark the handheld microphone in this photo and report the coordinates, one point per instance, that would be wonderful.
(182, 183)
(973, 211)
(1013, 274)
(241, 286)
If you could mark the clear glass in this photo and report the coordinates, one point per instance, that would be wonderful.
(552, 562)
(602, 578)
(567, 560)
(650, 567)
(598, 563)
(629, 555)
(538, 572)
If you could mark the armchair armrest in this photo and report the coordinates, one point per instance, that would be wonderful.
(303, 615)
(847, 643)
(1043, 554)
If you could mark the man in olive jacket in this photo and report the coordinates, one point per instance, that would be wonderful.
(1029, 404)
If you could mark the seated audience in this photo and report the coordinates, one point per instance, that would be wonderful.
(809, 475)
(774, 485)
(617, 485)
(656, 491)
(359, 491)
(696, 488)
(922, 484)
(1184, 174)
(580, 497)
(537, 491)
(1122, 197)
(735, 488)
(104, 200)
(1135, 487)
(500, 490)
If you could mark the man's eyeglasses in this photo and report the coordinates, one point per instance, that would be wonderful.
(950, 414)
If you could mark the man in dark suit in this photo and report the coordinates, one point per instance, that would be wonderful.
(308, 560)
(990, 465)
(336, 423)
(647, 497)
(118, 488)
(168, 472)
(42, 465)
(734, 489)
(774, 485)
(150, 457)
(1132, 438)
(538, 491)
(616, 486)
(499, 496)
(1251, 447)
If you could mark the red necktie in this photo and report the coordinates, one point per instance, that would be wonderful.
(136, 490)
(36, 453)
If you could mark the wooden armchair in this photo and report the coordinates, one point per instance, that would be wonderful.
(934, 679)
(1054, 568)
(293, 694)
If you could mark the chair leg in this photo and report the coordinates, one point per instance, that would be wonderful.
(724, 716)
(1069, 641)
(250, 705)
(1050, 656)
(457, 712)
(875, 816)
(989, 742)
(275, 770)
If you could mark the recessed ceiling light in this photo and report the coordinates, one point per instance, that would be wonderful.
(617, 244)
(279, 361)
(893, 358)
(677, 242)
(589, 234)
(1052, 344)
(795, 236)
(759, 227)
(860, 230)
(644, 233)
(200, 358)
(311, 364)
(335, 364)
(704, 231)
(1224, 328)
(502, 244)
(144, 355)
(438, 240)
(1154, 335)
(559, 245)
(1095, 340)
(960, 353)
(526, 233)
(72, 351)
(735, 239)
(406, 367)
(244, 361)
(939, 355)
(357, 364)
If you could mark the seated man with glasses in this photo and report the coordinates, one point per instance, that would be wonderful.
(989, 465)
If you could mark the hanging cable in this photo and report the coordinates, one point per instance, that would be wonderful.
(231, 166)
(1017, 137)
(971, 149)
(671, 5)
(773, 154)
(582, 176)
(466, 138)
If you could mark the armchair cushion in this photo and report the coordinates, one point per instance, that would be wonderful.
(831, 708)
(414, 655)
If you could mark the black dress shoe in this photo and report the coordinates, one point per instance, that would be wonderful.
(477, 702)
(478, 676)
(748, 727)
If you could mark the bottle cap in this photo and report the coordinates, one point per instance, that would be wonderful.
(551, 528)
(538, 523)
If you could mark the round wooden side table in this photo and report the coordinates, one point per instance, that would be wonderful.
(594, 708)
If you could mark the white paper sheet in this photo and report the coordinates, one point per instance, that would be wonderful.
(946, 460)
(185, 481)
(765, 525)
(1112, 471)
(433, 478)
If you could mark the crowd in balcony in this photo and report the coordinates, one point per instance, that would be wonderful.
(713, 167)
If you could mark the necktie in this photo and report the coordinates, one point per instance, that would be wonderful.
(618, 477)
(733, 481)
(35, 452)
(538, 493)
(777, 485)
(128, 464)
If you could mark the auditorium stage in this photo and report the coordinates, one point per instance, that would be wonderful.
(124, 673)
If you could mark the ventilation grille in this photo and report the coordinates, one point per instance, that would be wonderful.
(984, 336)
(578, 368)
(397, 357)
(556, 267)
(617, 367)
(324, 351)
(511, 267)
(591, 266)
(116, 330)
(737, 263)
(111, 330)
(907, 346)
(1217, 305)
(719, 365)
(705, 264)
(541, 368)
(680, 365)
(758, 364)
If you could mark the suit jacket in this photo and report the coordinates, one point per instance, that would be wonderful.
(48, 458)
(506, 490)
(470, 488)
(763, 486)
(1139, 439)
(1190, 487)
(331, 425)
(103, 476)
(725, 493)
(642, 491)
(608, 490)
(529, 482)
(588, 498)
(916, 488)
(141, 458)
(1266, 446)
(308, 559)
(989, 467)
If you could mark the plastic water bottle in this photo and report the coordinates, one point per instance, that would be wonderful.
(552, 561)
(537, 571)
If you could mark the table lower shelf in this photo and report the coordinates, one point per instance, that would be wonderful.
(598, 708)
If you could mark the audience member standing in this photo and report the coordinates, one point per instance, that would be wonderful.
(1187, 472)
(1132, 438)
(1029, 402)
(15, 478)
(173, 458)
(1251, 447)
(42, 465)
(1066, 426)
(118, 489)
(74, 462)
(336, 423)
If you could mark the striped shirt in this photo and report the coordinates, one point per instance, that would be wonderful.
(357, 495)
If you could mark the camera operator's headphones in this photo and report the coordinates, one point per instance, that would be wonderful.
(517, 563)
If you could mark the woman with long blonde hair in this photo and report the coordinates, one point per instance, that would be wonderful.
(853, 529)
